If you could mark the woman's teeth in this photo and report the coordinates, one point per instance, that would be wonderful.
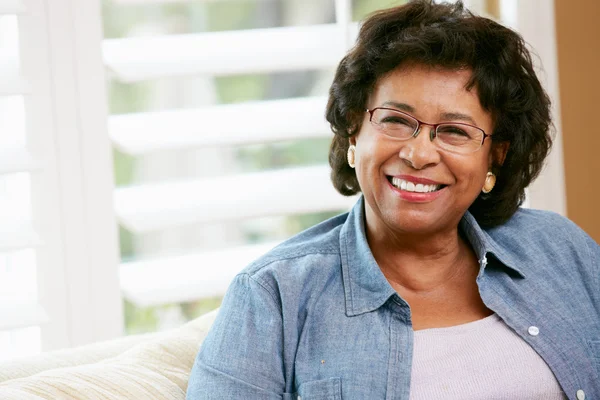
(411, 187)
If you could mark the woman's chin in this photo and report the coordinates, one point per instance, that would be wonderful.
(416, 221)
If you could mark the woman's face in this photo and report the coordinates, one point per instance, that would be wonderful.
(431, 95)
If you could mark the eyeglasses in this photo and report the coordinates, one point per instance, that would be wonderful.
(451, 136)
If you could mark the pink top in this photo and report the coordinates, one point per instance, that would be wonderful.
(483, 359)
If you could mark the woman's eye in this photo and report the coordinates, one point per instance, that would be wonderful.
(395, 120)
(453, 130)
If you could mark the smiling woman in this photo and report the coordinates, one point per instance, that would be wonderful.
(437, 284)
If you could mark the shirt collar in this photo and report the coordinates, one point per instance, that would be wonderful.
(483, 244)
(365, 286)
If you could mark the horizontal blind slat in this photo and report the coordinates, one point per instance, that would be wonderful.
(21, 316)
(17, 160)
(12, 7)
(221, 125)
(16, 236)
(14, 85)
(226, 53)
(279, 192)
(185, 278)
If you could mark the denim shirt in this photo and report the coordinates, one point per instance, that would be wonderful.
(315, 318)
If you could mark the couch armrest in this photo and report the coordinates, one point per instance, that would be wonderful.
(71, 357)
(87, 354)
(158, 368)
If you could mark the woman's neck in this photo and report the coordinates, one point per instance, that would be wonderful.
(420, 262)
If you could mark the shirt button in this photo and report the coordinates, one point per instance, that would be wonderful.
(533, 330)
(580, 395)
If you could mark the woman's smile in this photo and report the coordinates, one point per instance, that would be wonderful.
(414, 189)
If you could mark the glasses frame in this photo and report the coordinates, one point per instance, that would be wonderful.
(432, 132)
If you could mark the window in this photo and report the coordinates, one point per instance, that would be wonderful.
(220, 140)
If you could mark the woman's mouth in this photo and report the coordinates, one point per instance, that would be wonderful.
(413, 187)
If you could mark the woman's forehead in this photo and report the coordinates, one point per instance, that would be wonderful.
(424, 78)
(421, 83)
(430, 93)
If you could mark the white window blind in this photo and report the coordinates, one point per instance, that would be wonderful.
(187, 179)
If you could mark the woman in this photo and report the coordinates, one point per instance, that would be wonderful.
(436, 285)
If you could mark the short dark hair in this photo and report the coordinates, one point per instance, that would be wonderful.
(451, 37)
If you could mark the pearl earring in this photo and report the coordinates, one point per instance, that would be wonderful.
(351, 155)
(490, 181)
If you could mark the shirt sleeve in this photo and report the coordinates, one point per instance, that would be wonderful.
(242, 355)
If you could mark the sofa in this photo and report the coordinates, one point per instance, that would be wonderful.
(154, 366)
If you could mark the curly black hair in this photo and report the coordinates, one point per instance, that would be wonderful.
(451, 37)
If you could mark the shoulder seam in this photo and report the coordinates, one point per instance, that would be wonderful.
(263, 286)
(271, 260)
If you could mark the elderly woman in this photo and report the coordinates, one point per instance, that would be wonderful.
(436, 285)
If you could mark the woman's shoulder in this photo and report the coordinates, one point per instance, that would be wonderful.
(314, 248)
(536, 234)
(528, 221)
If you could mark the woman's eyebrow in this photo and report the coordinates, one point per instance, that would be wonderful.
(400, 106)
(448, 116)
(457, 116)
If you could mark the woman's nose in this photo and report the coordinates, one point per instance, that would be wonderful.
(420, 151)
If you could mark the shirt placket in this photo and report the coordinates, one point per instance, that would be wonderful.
(400, 358)
(527, 328)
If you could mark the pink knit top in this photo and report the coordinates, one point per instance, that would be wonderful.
(483, 359)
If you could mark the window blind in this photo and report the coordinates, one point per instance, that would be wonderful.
(149, 206)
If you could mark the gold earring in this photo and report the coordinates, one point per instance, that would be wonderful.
(351, 157)
(490, 181)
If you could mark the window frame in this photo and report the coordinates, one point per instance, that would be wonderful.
(60, 43)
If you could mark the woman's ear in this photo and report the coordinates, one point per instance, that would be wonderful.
(498, 153)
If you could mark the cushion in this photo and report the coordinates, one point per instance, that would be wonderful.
(158, 368)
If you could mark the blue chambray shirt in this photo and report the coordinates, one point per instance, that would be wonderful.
(315, 317)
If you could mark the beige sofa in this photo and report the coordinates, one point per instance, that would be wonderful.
(155, 366)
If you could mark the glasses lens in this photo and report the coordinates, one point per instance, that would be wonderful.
(459, 138)
(394, 123)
